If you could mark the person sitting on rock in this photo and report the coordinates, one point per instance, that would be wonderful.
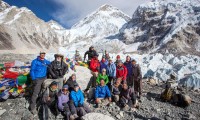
(50, 99)
(102, 93)
(66, 106)
(102, 76)
(127, 97)
(116, 89)
(71, 82)
(78, 99)
(58, 69)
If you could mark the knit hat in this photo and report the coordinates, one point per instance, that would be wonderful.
(65, 87)
(53, 83)
(76, 85)
(118, 56)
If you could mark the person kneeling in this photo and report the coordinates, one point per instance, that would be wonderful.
(50, 100)
(78, 99)
(66, 107)
(127, 97)
(116, 89)
(102, 92)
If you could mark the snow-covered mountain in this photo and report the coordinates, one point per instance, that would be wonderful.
(165, 26)
(105, 21)
(23, 32)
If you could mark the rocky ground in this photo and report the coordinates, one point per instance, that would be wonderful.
(151, 107)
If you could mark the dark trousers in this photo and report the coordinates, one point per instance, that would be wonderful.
(53, 108)
(129, 81)
(138, 87)
(66, 113)
(37, 85)
(83, 110)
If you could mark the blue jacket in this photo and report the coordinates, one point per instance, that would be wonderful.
(103, 65)
(77, 97)
(111, 70)
(39, 68)
(129, 68)
(102, 92)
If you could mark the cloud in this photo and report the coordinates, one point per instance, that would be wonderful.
(70, 12)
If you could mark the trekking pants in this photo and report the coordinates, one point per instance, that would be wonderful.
(129, 81)
(138, 87)
(37, 85)
(83, 110)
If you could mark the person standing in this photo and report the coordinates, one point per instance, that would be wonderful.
(129, 77)
(137, 78)
(58, 69)
(103, 64)
(121, 71)
(111, 72)
(38, 74)
(103, 76)
(91, 52)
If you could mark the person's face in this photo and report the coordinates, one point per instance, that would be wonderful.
(125, 86)
(120, 64)
(134, 63)
(104, 72)
(117, 83)
(54, 87)
(102, 83)
(58, 58)
(42, 56)
(103, 59)
(76, 88)
(128, 58)
(65, 90)
(92, 48)
(110, 61)
(73, 77)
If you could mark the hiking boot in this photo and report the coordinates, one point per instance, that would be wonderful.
(75, 116)
(97, 106)
(34, 112)
(59, 116)
(126, 108)
(71, 117)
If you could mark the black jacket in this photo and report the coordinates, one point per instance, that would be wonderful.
(90, 54)
(70, 83)
(57, 69)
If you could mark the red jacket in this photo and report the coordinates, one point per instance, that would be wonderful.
(121, 72)
(94, 65)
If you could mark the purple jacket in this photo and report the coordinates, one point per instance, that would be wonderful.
(62, 98)
(129, 68)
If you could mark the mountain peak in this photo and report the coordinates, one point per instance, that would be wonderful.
(3, 5)
(107, 7)
(55, 25)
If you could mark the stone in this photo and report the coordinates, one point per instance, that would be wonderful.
(2, 111)
(118, 116)
(121, 113)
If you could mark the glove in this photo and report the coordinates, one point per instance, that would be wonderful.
(80, 105)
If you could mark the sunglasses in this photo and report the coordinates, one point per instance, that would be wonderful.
(65, 89)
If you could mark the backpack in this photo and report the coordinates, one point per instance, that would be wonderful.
(167, 94)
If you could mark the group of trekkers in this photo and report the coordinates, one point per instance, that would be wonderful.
(111, 82)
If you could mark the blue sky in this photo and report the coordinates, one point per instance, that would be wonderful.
(69, 12)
